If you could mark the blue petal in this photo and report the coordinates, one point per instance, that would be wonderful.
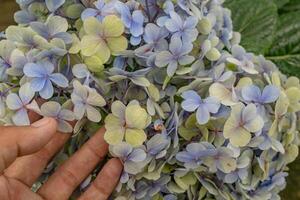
(20, 118)
(40, 29)
(251, 93)
(66, 37)
(59, 80)
(53, 5)
(34, 70)
(135, 40)
(89, 12)
(175, 23)
(137, 155)
(37, 84)
(184, 157)
(212, 104)
(24, 17)
(202, 114)
(175, 45)
(172, 67)
(47, 91)
(13, 101)
(270, 94)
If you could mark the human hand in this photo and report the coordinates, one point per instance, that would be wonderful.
(26, 151)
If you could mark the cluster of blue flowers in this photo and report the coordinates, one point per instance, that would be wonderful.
(187, 110)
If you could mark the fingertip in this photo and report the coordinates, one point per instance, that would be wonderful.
(115, 166)
(46, 122)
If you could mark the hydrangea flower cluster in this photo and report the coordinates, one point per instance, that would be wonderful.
(188, 111)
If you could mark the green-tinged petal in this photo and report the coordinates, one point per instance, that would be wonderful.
(91, 45)
(135, 137)
(94, 64)
(95, 98)
(92, 26)
(93, 114)
(118, 109)
(114, 136)
(153, 92)
(117, 44)
(255, 125)
(240, 137)
(243, 82)
(136, 117)
(282, 105)
(223, 94)
(112, 122)
(293, 95)
(57, 24)
(227, 164)
(113, 26)
(75, 48)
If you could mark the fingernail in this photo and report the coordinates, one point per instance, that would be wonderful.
(41, 122)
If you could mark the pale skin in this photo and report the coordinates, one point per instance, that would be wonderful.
(26, 151)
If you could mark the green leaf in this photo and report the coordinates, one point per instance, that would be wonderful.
(256, 21)
(285, 50)
(293, 5)
(280, 3)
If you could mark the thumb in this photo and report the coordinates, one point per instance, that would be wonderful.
(20, 141)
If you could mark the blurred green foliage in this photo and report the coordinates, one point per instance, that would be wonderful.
(255, 20)
(268, 27)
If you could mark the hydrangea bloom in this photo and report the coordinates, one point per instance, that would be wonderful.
(204, 107)
(102, 9)
(188, 111)
(242, 122)
(177, 55)
(18, 104)
(42, 77)
(126, 121)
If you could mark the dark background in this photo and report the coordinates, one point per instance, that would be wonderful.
(292, 192)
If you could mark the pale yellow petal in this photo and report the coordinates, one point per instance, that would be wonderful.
(114, 137)
(240, 137)
(112, 122)
(136, 117)
(135, 137)
(92, 26)
(117, 44)
(91, 44)
(113, 26)
(94, 63)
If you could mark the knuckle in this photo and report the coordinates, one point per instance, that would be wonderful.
(69, 178)
(97, 151)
